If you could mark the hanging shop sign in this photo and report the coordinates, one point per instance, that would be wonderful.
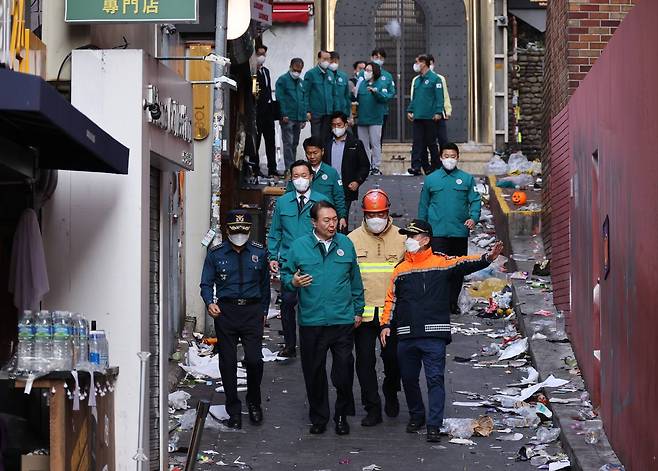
(129, 11)
(168, 114)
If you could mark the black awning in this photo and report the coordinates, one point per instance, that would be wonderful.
(34, 114)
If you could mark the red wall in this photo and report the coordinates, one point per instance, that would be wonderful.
(615, 112)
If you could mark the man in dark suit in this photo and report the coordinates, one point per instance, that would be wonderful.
(346, 154)
(265, 112)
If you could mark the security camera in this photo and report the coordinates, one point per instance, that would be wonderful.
(501, 21)
(154, 110)
(219, 82)
(220, 60)
(168, 28)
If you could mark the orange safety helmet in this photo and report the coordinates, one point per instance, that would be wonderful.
(375, 201)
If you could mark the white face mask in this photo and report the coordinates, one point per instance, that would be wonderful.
(238, 239)
(411, 245)
(379, 62)
(417, 67)
(367, 75)
(333, 66)
(376, 225)
(339, 132)
(260, 60)
(295, 75)
(301, 184)
(449, 163)
(324, 65)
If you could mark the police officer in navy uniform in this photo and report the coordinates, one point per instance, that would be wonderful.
(238, 271)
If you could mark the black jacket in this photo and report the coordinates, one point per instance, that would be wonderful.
(355, 166)
(264, 103)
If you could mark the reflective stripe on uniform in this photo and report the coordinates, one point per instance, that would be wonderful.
(368, 267)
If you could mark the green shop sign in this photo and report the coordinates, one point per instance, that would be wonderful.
(128, 11)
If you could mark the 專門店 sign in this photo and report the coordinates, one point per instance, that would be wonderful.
(127, 11)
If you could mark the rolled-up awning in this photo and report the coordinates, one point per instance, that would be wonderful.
(34, 114)
(291, 12)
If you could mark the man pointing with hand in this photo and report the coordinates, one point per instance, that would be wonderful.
(322, 267)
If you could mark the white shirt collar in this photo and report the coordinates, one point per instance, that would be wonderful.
(315, 169)
(307, 195)
(327, 243)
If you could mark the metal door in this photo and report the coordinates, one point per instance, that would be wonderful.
(402, 52)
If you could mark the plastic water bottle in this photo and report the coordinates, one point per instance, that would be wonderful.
(80, 339)
(43, 337)
(62, 348)
(26, 342)
(95, 348)
(105, 352)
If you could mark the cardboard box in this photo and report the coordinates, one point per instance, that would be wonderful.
(35, 463)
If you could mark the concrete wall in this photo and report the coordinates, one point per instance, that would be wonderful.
(615, 174)
(96, 237)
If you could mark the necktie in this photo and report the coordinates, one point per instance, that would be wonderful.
(300, 203)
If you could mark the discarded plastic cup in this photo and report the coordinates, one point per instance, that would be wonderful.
(593, 434)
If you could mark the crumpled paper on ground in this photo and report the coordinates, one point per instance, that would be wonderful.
(514, 349)
(178, 400)
(198, 366)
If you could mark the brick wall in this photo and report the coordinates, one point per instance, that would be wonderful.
(577, 31)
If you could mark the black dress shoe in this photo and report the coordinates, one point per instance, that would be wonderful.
(372, 420)
(288, 352)
(342, 427)
(233, 422)
(414, 171)
(433, 434)
(414, 425)
(317, 429)
(391, 405)
(255, 414)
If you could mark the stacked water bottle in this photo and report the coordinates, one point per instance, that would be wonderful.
(59, 341)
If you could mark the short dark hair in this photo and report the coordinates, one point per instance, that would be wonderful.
(450, 146)
(262, 46)
(320, 52)
(356, 64)
(301, 163)
(431, 57)
(334, 55)
(339, 114)
(376, 70)
(379, 51)
(424, 58)
(315, 209)
(297, 61)
(313, 141)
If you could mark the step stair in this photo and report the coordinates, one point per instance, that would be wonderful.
(396, 158)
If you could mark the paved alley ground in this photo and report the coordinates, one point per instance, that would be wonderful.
(283, 441)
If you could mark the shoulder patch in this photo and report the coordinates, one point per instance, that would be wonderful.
(257, 244)
(218, 246)
(340, 182)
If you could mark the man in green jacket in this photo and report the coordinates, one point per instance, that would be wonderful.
(425, 109)
(292, 101)
(319, 87)
(323, 267)
(291, 220)
(342, 97)
(449, 202)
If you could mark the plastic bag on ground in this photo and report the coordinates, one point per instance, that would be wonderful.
(465, 302)
(459, 428)
(496, 166)
(518, 163)
(483, 289)
(178, 400)
(515, 181)
(547, 435)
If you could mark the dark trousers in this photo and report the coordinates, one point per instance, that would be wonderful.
(245, 324)
(348, 205)
(424, 137)
(431, 354)
(314, 343)
(265, 124)
(456, 246)
(321, 126)
(289, 317)
(389, 354)
(442, 137)
(365, 341)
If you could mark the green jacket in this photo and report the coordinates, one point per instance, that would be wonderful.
(336, 294)
(388, 78)
(327, 182)
(373, 105)
(428, 97)
(291, 97)
(289, 224)
(342, 98)
(319, 88)
(447, 200)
